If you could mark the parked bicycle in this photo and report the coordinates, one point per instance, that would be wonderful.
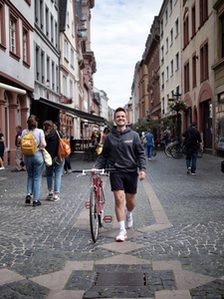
(177, 150)
(96, 203)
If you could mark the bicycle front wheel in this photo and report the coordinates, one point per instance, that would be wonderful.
(93, 215)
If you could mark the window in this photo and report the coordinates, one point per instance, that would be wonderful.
(177, 27)
(177, 61)
(222, 34)
(171, 68)
(186, 31)
(42, 67)
(56, 34)
(163, 106)
(194, 71)
(171, 37)
(14, 35)
(26, 46)
(162, 86)
(203, 11)
(52, 29)
(193, 21)
(48, 69)
(2, 25)
(47, 20)
(167, 44)
(204, 62)
(66, 49)
(171, 6)
(37, 63)
(72, 59)
(167, 73)
(186, 78)
(41, 14)
(64, 81)
(166, 15)
(162, 54)
(53, 75)
(70, 89)
(57, 78)
(161, 28)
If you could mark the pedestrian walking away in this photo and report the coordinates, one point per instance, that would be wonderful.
(123, 151)
(2, 149)
(192, 143)
(34, 160)
(55, 171)
(149, 137)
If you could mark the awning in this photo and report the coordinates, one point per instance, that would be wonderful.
(84, 115)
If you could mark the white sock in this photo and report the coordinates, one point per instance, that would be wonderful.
(128, 213)
(122, 225)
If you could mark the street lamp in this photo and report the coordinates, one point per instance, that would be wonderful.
(177, 105)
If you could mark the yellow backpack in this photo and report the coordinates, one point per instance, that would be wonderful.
(28, 144)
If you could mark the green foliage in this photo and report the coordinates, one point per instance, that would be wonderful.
(144, 124)
(177, 106)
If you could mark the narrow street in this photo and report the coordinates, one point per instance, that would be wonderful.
(176, 249)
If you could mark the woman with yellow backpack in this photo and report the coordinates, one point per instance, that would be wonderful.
(32, 140)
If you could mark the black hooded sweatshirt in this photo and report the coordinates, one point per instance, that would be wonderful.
(122, 151)
(52, 141)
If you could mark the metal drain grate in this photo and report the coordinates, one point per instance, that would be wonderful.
(120, 279)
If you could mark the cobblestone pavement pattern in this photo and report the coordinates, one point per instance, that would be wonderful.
(176, 249)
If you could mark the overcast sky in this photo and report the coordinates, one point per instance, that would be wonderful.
(119, 30)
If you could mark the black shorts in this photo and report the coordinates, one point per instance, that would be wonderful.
(124, 181)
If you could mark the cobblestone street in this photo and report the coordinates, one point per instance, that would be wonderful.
(176, 249)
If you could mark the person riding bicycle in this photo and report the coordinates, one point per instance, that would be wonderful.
(123, 152)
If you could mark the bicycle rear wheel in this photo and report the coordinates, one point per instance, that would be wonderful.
(93, 216)
(177, 152)
(167, 151)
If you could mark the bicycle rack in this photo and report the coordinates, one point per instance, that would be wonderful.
(107, 218)
(87, 204)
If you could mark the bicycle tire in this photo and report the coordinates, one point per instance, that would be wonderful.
(102, 202)
(93, 216)
(167, 151)
(177, 152)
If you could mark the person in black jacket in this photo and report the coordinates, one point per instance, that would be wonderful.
(192, 143)
(123, 151)
(55, 171)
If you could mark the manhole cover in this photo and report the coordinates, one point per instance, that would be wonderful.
(120, 279)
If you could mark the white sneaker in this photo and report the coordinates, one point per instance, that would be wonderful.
(188, 170)
(50, 196)
(56, 197)
(122, 236)
(129, 220)
(2, 168)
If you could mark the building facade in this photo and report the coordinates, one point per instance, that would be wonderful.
(17, 68)
(197, 18)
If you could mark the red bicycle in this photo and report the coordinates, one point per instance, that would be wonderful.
(96, 201)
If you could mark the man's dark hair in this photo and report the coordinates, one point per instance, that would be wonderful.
(193, 124)
(119, 109)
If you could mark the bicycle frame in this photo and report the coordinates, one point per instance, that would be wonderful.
(96, 201)
(98, 187)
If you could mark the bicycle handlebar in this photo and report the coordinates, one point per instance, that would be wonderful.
(93, 171)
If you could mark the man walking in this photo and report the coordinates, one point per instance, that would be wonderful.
(123, 151)
(192, 143)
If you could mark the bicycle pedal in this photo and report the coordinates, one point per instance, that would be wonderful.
(107, 219)
(87, 204)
